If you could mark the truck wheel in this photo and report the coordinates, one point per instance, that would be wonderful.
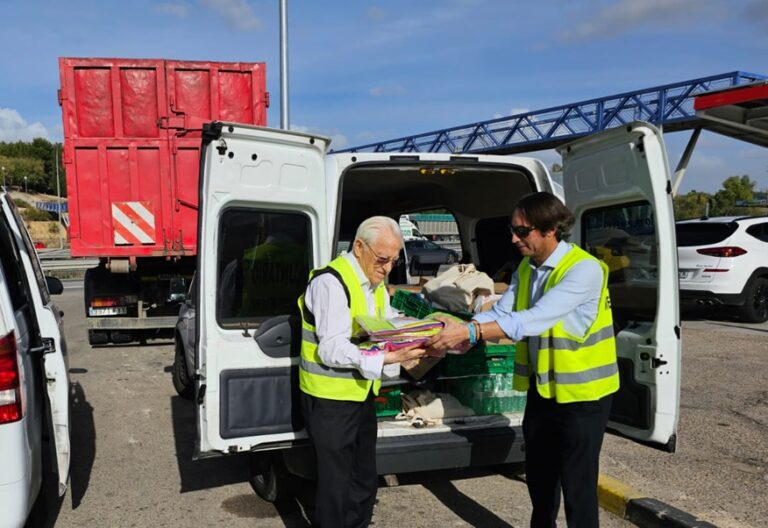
(270, 479)
(98, 337)
(181, 380)
(755, 309)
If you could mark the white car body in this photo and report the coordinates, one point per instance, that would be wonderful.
(724, 261)
(30, 330)
(615, 181)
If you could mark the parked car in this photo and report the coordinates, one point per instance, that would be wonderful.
(34, 383)
(184, 346)
(724, 261)
(424, 256)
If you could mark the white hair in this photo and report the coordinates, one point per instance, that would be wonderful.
(371, 228)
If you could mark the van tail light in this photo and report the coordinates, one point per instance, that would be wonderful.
(10, 395)
(725, 251)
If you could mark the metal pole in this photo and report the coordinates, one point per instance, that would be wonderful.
(58, 197)
(686, 157)
(3, 168)
(284, 120)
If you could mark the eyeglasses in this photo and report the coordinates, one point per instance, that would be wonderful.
(521, 231)
(381, 261)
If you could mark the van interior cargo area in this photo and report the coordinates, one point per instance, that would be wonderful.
(480, 196)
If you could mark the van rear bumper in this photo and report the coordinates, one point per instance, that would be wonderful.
(428, 451)
(449, 450)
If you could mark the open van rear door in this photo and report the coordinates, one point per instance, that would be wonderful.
(617, 185)
(262, 227)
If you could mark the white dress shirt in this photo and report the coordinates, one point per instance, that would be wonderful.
(333, 324)
(573, 300)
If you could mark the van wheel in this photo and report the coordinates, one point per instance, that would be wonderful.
(270, 479)
(181, 380)
(755, 309)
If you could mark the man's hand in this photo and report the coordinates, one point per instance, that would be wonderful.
(451, 337)
(404, 354)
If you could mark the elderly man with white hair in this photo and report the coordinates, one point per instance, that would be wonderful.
(338, 380)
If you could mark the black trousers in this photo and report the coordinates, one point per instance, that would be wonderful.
(344, 437)
(562, 449)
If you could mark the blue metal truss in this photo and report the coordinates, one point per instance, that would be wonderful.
(670, 106)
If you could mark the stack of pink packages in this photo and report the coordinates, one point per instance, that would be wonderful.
(380, 335)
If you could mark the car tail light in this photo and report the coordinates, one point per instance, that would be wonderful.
(10, 395)
(725, 251)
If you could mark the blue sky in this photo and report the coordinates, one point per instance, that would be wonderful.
(363, 71)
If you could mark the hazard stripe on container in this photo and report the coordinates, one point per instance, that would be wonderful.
(133, 223)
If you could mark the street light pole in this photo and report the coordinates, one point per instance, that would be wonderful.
(26, 187)
(3, 168)
(285, 123)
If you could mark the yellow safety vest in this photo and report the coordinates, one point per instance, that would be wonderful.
(336, 383)
(568, 368)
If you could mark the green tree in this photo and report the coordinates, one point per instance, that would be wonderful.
(735, 189)
(18, 168)
(41, 175)
(691, 205)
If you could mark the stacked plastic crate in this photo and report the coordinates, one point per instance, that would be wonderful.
(481, 378)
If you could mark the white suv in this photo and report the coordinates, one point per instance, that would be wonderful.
(724, 261)
(34, 383)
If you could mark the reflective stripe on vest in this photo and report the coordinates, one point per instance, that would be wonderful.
(336, 383)
(567, 367)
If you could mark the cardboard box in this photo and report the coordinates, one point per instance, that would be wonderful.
(417, 368)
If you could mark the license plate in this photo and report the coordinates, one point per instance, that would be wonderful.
(100, 312)
(682, 275)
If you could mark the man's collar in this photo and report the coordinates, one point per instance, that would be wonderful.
(361, 276)
(557, 255)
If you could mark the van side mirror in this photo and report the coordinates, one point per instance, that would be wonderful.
(55, 287)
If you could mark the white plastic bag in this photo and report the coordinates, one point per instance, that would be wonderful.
(457, 287)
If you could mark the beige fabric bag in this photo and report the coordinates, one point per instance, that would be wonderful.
(457, 287)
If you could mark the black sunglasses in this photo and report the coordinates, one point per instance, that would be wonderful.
(520, 231)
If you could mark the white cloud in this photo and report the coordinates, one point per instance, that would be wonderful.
(237, 13)
(512, 111)
(338, 140)
(390, 90)
(627, 15)
(13, 127)
(375, 13)
(177, 9)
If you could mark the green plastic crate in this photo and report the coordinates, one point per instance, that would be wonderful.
(485, 358)
(414, 305)
(488, 394)
(388, 402)
(461, 365)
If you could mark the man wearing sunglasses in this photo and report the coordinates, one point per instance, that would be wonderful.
(339, 381)
(558, 311)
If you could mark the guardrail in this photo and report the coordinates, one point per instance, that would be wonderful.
(68, 264)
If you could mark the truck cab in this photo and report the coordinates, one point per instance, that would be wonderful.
(275, 204)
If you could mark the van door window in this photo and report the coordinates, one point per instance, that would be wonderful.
(30, 248)
(431, 240)
(263, 264)
(624, 237)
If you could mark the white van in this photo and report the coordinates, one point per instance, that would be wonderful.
(260, 185)
(34, 381)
